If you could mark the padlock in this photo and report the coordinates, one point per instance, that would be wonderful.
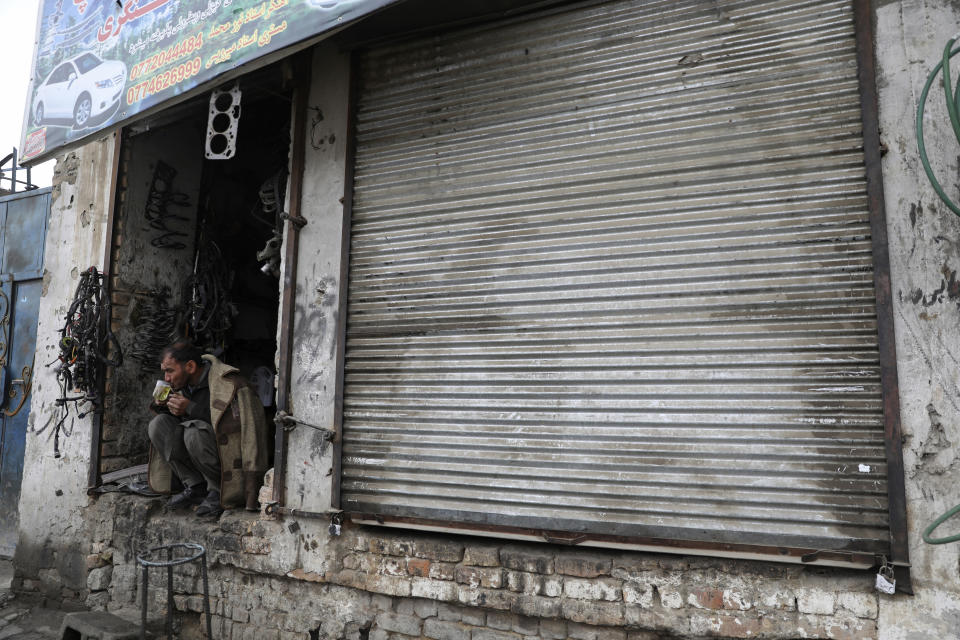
(334, 529)
(886, 582)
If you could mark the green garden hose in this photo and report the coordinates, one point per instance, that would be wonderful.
(952, 101)
(936, 523)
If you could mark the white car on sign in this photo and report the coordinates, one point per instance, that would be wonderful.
(79, 89)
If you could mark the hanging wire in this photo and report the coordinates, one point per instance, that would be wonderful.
(86, 343)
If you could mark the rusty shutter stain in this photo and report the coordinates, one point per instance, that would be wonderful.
(611, 273)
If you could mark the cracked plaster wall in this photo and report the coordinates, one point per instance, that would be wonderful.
(53, 494)
(924, 240)
(310, 466)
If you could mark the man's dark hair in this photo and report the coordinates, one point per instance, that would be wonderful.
(183, 351)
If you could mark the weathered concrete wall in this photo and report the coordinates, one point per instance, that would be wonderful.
(53, 496)
(313, 376)
(925, 256)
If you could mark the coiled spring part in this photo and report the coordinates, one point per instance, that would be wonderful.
(155, 329)
(209, 311)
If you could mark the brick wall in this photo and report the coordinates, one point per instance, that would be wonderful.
(596, 594)
(115, 450)
(383, 584)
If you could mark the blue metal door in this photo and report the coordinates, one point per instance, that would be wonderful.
(23, 228)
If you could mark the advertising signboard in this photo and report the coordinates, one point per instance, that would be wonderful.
(100, 62)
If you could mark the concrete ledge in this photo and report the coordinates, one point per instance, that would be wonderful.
(97, 625)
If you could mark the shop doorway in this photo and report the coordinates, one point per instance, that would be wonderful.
(196, 250)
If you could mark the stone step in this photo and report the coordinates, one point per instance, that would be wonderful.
(97, 625)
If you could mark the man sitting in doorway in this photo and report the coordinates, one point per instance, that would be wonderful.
(182, 434)
(210, 433)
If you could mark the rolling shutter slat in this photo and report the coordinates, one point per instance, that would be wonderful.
(611, 273)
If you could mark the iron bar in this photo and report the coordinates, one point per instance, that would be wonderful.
(275, 509)
(143, 603)
(93, 477)
(170, 607)
(302, 63)
(800, 555)
(12, 178)
(206, 593)
(890, 386)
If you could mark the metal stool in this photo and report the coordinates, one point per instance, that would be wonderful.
(149, 559)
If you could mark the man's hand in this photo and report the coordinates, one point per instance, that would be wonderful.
(177, 404)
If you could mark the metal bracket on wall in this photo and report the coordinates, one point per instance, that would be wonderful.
(4, 326)
(25, 382)
(274, 509)
(298, 221)
(287, 422)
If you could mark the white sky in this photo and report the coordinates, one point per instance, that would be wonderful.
(18, 24)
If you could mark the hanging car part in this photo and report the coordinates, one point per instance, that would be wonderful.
(261, 379)
(209, 311)
(222, 122)
(87, 346)
(270, 256)
(160, 196)
(272, 193)
(155, 328)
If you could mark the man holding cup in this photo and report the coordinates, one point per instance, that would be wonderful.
(181, 432)
(210, 432)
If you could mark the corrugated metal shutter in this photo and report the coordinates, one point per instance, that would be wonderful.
(610, 273)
